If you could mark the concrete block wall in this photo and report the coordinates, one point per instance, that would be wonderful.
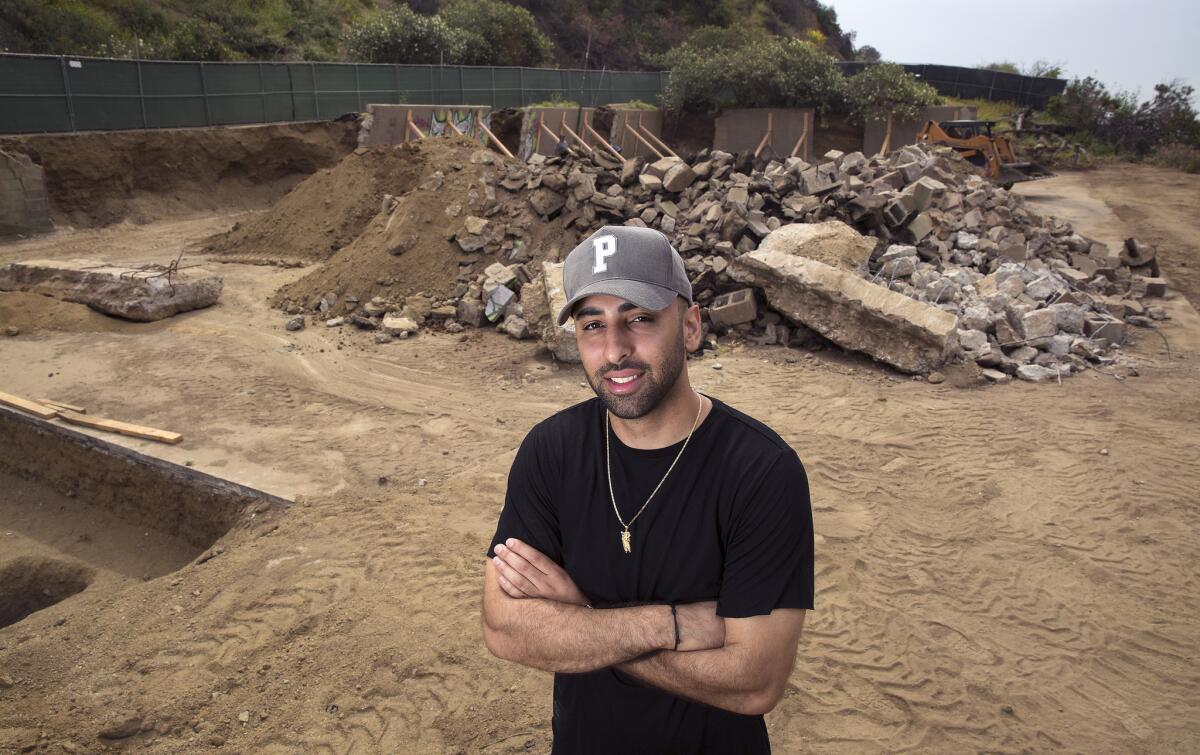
(741, 130)
(385, 125)
(24, 207)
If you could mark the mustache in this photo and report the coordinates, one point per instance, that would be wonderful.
(626, 365)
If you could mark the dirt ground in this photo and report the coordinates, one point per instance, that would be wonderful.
(1004, 569)
(99, 178)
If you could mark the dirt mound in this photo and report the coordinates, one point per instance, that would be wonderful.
(407, 244)
(101, 178)
(327, 210)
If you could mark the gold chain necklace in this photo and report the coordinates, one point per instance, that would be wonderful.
(626, 536)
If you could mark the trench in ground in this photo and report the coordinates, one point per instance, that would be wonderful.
(78, 512)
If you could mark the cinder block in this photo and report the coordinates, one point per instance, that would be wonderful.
(733, 308)
(1156, 287)
(1109, 328)
(920, 227)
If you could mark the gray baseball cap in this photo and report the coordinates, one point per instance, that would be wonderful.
(638, 265)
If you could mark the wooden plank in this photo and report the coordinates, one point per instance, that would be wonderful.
(767, 137)
(803, 137)
(661, 144)
(25, 405)
(499, 144)
(552, 135)
(887, 138)
(63, 405)
(603, 142)
(638, 136)
(124, 428)
(575, 136)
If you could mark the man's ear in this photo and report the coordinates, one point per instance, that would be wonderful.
(692, 330)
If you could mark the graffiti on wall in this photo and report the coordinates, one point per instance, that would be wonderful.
(436, 122)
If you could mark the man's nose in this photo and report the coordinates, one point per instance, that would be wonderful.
(618, 346)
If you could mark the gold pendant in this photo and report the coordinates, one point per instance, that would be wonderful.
(625, 536)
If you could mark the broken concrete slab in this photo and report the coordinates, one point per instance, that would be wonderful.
(546, 202)
(679, 178)
(395, 324)
(833, 243)
(1036, 373)
(1040, 323)
(560, 340)
(141, 294)
(854, 313)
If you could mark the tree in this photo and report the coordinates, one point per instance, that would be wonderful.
(886, 88)
(402, 36)
(867, 54)
(1167, 119)
(500, 34)
(741, 67)
(466, 32)
(1045, 68)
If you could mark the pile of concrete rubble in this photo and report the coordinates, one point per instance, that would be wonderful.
(912, 258)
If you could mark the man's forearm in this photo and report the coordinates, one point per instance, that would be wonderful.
(721, 678)
(573, 639)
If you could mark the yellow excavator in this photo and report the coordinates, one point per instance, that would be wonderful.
(990, 153)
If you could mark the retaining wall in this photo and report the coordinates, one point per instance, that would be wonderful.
(741, 130)
(24, 207)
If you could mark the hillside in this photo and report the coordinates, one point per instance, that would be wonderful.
(625, 35)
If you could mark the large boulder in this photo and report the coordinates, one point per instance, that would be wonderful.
(559, 339)
(852, 312)
(832, 242)
(142, 294)
(545, 202)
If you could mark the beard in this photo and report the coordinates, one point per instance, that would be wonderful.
(657, 382)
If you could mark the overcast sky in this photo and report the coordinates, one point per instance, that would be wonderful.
(1127, 45)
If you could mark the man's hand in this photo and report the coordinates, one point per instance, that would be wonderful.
(525, 572)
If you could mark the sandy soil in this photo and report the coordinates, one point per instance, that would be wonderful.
(99, 178)
(1005, 569)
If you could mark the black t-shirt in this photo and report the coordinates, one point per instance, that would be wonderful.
(731, 523)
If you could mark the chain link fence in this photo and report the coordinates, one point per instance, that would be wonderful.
(61, 93)
(40, 93)
(979, 83)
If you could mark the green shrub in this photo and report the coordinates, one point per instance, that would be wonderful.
(1118, 121)
(738, 67)
(403, 36)
(466, 32)
(1183, 157)
(1002, 66)
(501, 34)
(1168, 119)
(556, 102)
(56, 27)
(883, 88)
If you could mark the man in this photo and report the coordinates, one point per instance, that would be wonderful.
(655, 549)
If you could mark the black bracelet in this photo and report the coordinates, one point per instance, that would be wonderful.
(675, 620)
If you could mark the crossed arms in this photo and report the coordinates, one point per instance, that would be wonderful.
(534, 614)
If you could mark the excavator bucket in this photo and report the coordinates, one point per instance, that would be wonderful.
(1011, 173)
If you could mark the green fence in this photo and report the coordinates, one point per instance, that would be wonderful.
(48, 93)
